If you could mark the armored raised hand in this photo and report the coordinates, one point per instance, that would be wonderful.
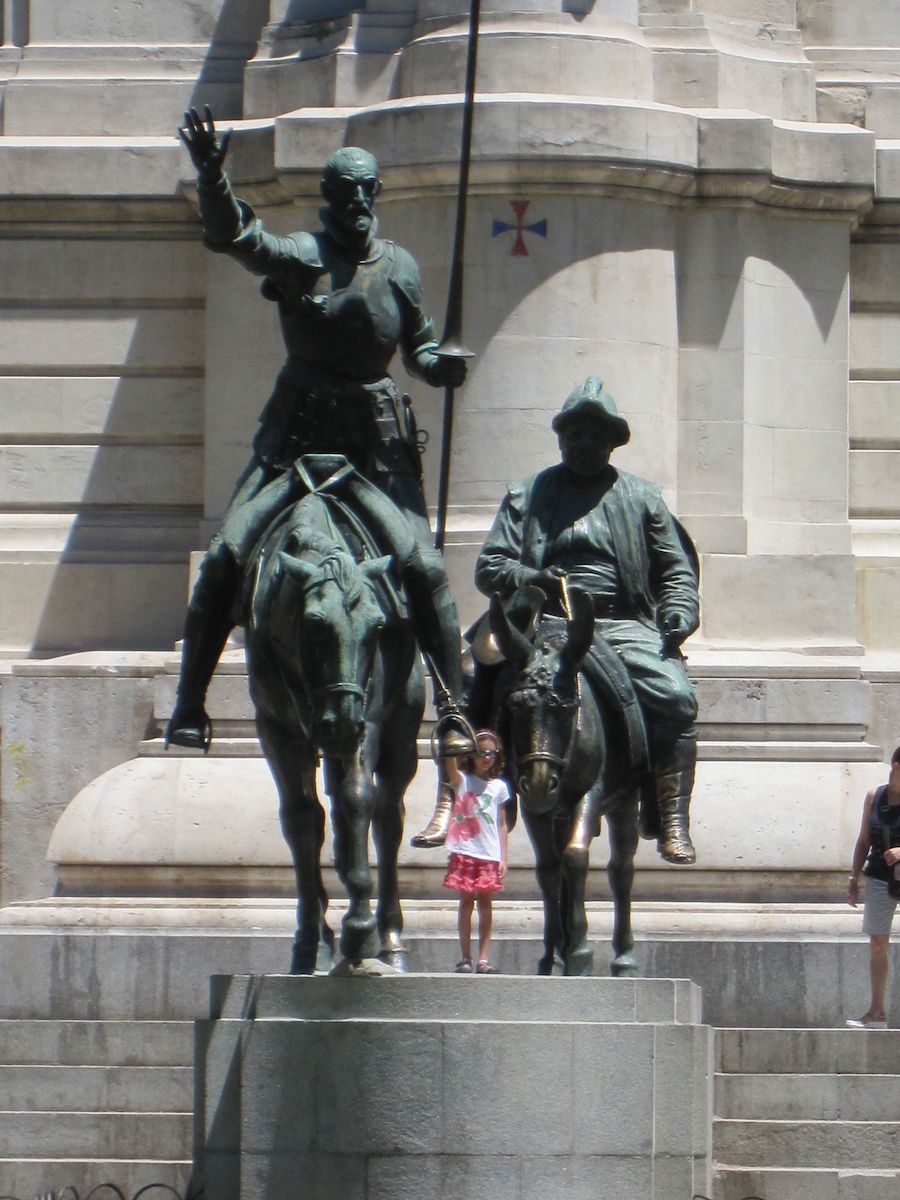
(205, 146)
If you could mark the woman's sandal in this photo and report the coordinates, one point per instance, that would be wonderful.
(485, 968)
(464, 966)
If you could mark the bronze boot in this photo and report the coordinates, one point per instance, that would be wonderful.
(435, 832)
(206, 629)
(673, 794)
(675, 844)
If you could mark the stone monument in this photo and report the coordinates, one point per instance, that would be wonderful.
(698, 196)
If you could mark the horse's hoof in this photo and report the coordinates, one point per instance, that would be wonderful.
(303, 960)
(364, 968)
(396, 958)
(580, 964)
(624, 966)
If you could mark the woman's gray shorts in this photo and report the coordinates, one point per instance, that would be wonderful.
(878, 909)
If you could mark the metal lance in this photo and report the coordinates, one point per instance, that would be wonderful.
(451, 343)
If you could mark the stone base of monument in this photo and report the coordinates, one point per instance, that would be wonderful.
(440, 1086)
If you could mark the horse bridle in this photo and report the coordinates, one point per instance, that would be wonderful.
(338, 689)
(542, 756)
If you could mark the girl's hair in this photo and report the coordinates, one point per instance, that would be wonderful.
(895, 757)
(499, 763)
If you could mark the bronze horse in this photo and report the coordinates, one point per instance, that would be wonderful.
(567, 777)
(333, 667)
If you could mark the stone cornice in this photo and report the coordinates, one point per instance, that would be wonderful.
(883, 222)
(656, 152)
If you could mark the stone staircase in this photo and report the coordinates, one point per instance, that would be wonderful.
(91, 1102)
(807, 1114)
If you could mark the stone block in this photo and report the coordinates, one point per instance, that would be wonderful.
(829, 23)
(873, 343)
(872, 406)
(613, 1089)
(785, 599)
(80, 606)
(586, 1177)
(569, 63)
(822, 153)
(878, 599)
(103, 408)
(872, 475)
(807, 1143)
(680, 1061)
(483, 1086)
(462, 1109)
(107, 476)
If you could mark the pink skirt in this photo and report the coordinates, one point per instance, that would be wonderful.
(465, 874)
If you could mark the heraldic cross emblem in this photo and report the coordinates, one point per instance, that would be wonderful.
(519, 207)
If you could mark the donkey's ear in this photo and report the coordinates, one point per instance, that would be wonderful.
(375, 567)
(580, 628)
(296, 568)
(513, 645)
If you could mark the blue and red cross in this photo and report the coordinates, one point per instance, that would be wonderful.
(520, 207)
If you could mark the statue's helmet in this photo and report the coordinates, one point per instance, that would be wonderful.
(349, 161)
(591, 400)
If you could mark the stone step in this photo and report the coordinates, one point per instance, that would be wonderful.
(31, 1177)
(815, 1051)
(874, 1145)
(98, 1088)
(805, 1183)
(106, 1135)
(98, 1043)
(824, 1097)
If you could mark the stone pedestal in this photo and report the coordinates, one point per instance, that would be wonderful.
(404, 1087)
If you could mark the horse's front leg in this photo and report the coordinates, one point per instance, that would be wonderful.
(352, 795)
(547, 870)
(579, 955)
(395, 771)
(293, 767)
(623, 843)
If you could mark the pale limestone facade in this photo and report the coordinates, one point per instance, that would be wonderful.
(711, 225)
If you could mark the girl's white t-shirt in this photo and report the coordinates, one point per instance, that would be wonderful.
(475, 819)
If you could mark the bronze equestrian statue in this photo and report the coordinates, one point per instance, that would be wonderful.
(347, 301)
(334, 670)
(586, 525)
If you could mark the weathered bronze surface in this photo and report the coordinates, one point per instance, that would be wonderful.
(616, 578)
(347, 300)
(334, 670)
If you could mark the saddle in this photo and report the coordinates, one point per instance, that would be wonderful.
(325, 477)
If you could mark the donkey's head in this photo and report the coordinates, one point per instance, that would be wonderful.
(543, 696)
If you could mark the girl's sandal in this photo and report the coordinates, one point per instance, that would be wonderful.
(464, 966)
(485, 968)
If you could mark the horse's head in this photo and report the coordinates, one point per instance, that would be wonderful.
(542, 697)
(340, 622)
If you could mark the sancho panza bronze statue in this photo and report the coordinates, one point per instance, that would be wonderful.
(610, 534)
(347, 300)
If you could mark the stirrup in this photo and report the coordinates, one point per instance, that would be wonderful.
(452, 735)
(183, 730)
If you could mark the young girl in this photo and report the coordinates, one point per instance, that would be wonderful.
(477, 843)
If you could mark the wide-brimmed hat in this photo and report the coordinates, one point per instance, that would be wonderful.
(591, 399)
